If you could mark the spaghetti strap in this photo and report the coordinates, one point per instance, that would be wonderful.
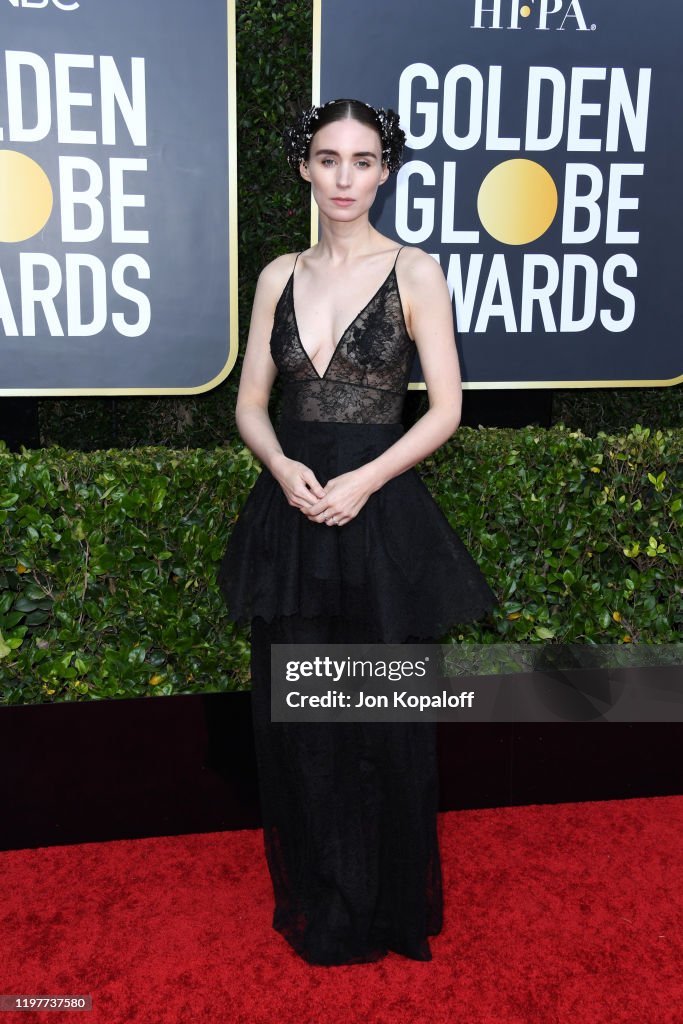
(397, 256)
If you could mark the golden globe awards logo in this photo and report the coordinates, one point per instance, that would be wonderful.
(542, 14)
(592, 202)
(73, 102)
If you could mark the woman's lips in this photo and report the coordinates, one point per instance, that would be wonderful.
(342, 201)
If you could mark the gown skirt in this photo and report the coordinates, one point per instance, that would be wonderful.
(349, 809)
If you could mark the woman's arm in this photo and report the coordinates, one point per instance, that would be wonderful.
(256, 382)
(430, 317)
(427, 305)
(258, 369)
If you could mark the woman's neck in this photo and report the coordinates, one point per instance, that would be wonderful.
(341, 243)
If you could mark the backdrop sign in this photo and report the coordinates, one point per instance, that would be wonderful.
(117, 185)
(545, 140)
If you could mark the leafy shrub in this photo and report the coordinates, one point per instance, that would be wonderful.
(109, 559)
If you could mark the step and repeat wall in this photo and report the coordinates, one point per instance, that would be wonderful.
(543, 173)
(545, 142)
(117, 196)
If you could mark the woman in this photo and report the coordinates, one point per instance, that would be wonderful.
(340, 541)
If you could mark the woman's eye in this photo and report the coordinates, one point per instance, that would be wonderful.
(363, 163)
(327, 161)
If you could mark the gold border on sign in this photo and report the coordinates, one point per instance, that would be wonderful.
(500, 385)
(233, 323)
(527, 385)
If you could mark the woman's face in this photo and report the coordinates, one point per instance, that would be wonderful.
(345, 168)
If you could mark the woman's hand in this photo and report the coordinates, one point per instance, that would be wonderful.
(343, 498)
(299, 483)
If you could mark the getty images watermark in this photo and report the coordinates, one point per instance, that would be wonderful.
(477, 682)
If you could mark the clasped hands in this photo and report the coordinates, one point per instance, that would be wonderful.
(337, 503)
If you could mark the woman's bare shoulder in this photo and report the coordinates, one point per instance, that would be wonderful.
(416, 261)
(278, 270)
(273, 278)
(419, 272)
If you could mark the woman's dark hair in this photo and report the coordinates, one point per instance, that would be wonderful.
(297, 137)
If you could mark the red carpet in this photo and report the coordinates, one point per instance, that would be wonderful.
(554, 914)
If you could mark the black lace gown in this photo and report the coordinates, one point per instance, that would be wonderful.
(349, 809)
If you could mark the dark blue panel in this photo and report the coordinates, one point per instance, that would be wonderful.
(185, 189)
(366, 49)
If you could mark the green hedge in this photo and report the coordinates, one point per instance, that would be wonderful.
(108, 560)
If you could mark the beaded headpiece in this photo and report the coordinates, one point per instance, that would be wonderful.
(297, 137)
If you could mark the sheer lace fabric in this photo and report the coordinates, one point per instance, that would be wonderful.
(366, 378)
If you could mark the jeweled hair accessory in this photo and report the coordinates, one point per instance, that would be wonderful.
(393, 137)
(297, 137)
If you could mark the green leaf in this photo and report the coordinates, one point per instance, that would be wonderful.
(544, 633)
(137, 655)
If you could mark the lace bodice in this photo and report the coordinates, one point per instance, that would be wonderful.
(367, 376)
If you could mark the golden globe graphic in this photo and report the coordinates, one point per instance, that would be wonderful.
(25, 197)
(517, 201)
